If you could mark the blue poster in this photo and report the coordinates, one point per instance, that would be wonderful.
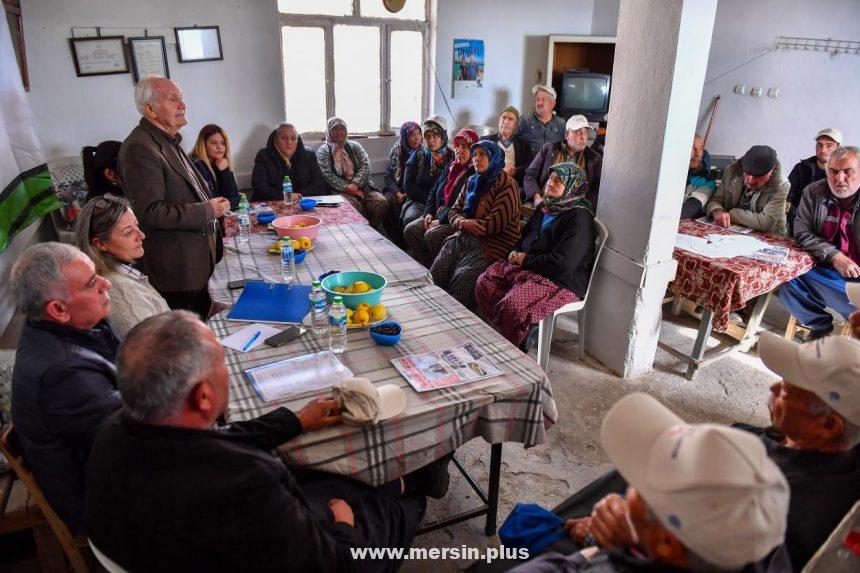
(468, 66)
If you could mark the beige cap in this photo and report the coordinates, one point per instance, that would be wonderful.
(363, 403)
(547, 88)
(828, 367)
(576, 122)
(853, 292)
(833, 134)
(712, 486)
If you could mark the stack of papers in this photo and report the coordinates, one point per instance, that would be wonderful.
(297, 375)
(717, 246)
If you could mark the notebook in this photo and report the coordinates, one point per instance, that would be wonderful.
(272, 302)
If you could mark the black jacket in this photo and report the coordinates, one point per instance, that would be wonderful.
(801, 176)
(267, 179)
(565, 252)
(521, 155)
(436, 205)
(809, 223)
(221, 184)
(417, 180)
(63, 389)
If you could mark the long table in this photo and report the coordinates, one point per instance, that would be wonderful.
(515, 407)
(345, 214)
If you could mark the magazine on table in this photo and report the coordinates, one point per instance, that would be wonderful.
(446, 368)
(773, 254)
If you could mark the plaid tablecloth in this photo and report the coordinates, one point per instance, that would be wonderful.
(725, 285)
(337, 248)
(345, 214)
(515, 407)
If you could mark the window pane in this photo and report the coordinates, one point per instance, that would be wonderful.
(325, 7)
(406, 77)
(304, 77)
(412, 10)
(356, 77)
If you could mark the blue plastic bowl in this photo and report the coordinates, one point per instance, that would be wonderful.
(386, 339)
(300, 255)
(265, 217)
(308, 204)
(344, 279)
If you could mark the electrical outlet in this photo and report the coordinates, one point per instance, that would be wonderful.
(755, 91)
(740, 89)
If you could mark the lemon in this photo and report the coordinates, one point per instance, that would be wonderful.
(360, 287)
(363, 305)
(296, 245)
(350, 289)
(340, 289)
(361, 316)
(349, 316)
(378, 312)
(275, 248)
(306, 243)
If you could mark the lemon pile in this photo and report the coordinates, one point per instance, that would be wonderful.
(302, 244)
(364, 314)
(358, 287)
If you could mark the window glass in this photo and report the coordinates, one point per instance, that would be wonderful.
(304, 77)
(406, 77)
(356, 77)
(324, 7)
(412, 10)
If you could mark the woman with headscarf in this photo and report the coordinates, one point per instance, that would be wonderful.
(285, 154)
(424, 169)
(550, 265)
(425, 235)
(410, 140)
(487, 216)
(345, 167)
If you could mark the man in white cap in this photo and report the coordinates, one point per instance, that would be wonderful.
(827, 227)
(702, 497)
(811, 169)
(573, 148)
(543, 125)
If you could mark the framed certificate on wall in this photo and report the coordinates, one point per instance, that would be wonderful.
(99, 56)
(148, 56)
(198, 44)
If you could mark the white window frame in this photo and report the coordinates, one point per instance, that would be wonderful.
(385, 26)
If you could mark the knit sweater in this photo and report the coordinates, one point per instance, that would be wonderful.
(335, 181)
(132, 299)
(499, 210)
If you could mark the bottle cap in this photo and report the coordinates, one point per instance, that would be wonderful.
(338, 298)
(316, 283)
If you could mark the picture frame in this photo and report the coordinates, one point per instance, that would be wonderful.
(198, 44)
(148, 56)
(99, 55)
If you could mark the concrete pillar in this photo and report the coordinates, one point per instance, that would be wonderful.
(661, 57)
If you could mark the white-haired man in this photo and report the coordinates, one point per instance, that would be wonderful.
(170, 199)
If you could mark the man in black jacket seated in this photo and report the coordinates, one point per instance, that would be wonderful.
(285, 154)
(810, 170)
(170, 491)
(64, 380)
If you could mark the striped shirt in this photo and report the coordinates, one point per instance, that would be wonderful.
(499, 210)
(837, 230)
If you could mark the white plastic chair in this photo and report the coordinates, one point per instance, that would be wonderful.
(109, 564)
(547, 325)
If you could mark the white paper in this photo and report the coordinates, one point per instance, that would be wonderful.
(239, 339)
(734, 228)
(334, 199)
(716, 246)
(296, 375)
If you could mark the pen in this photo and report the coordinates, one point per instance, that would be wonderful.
(252, 341)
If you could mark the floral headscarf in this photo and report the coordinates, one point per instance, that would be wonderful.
(342, 163)
(480, 183)
(403, 155)
(575, 188)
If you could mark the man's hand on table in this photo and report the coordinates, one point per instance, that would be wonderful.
(610, 525)
(722, 218)
(220, 205)
(319, 413)
(341, 511)
(578, 529)
(845, 266)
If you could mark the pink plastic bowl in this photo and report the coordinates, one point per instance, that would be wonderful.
(282, 224)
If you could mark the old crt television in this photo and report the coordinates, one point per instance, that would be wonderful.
(584, 93)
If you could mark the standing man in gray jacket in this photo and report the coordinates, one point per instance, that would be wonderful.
(827, 227)
(542, 126)
(171, 200)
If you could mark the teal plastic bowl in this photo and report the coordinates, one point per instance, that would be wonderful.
(344, 279)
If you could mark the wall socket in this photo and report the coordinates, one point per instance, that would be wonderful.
(755, 91)
(740, 89)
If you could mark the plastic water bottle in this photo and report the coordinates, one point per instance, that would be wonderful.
(288, 191)
(244, 219)
(337, 326)
(288, 261)
(319, 310)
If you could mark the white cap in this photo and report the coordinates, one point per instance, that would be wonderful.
(576, 122)
(364, 403)
(828, 367)
(547, 88)
(853, 292)
(712, 486)
(438, 120)
(832, 133)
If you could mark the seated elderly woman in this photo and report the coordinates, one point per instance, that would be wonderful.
(550, 265)
(100, 169)
(487, 216)
(516, 150)
(108, 233)
(345, 168)
(211, 157)
(425, 236)
(285, 154)
(424, 169)
(410, 140)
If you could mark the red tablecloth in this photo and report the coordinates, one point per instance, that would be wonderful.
(725, 285)
(345, 214)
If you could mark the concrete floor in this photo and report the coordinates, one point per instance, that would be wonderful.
(731, 390)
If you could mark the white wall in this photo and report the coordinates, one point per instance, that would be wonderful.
(243, 93)
(515, 35)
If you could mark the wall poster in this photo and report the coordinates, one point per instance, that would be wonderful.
(468, 67)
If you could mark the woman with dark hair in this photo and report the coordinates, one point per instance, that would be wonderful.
(285, 154)
(410, 140)
(550, 265)
(100, 168)
(107, 232)
(424, 168)
(211, 157)
(487, 214)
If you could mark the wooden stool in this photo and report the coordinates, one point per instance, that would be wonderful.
(793, 328)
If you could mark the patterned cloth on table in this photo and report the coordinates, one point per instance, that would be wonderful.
(514, 298)
(345, 214)
(458, 266)
(517, 406)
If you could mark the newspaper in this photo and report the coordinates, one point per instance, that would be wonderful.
(296, 375)
(773, 254)
(446, 368)
(733, 228)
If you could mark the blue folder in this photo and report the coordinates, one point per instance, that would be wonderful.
(272, 302)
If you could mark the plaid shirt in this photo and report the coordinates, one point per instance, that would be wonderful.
(837, 229)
